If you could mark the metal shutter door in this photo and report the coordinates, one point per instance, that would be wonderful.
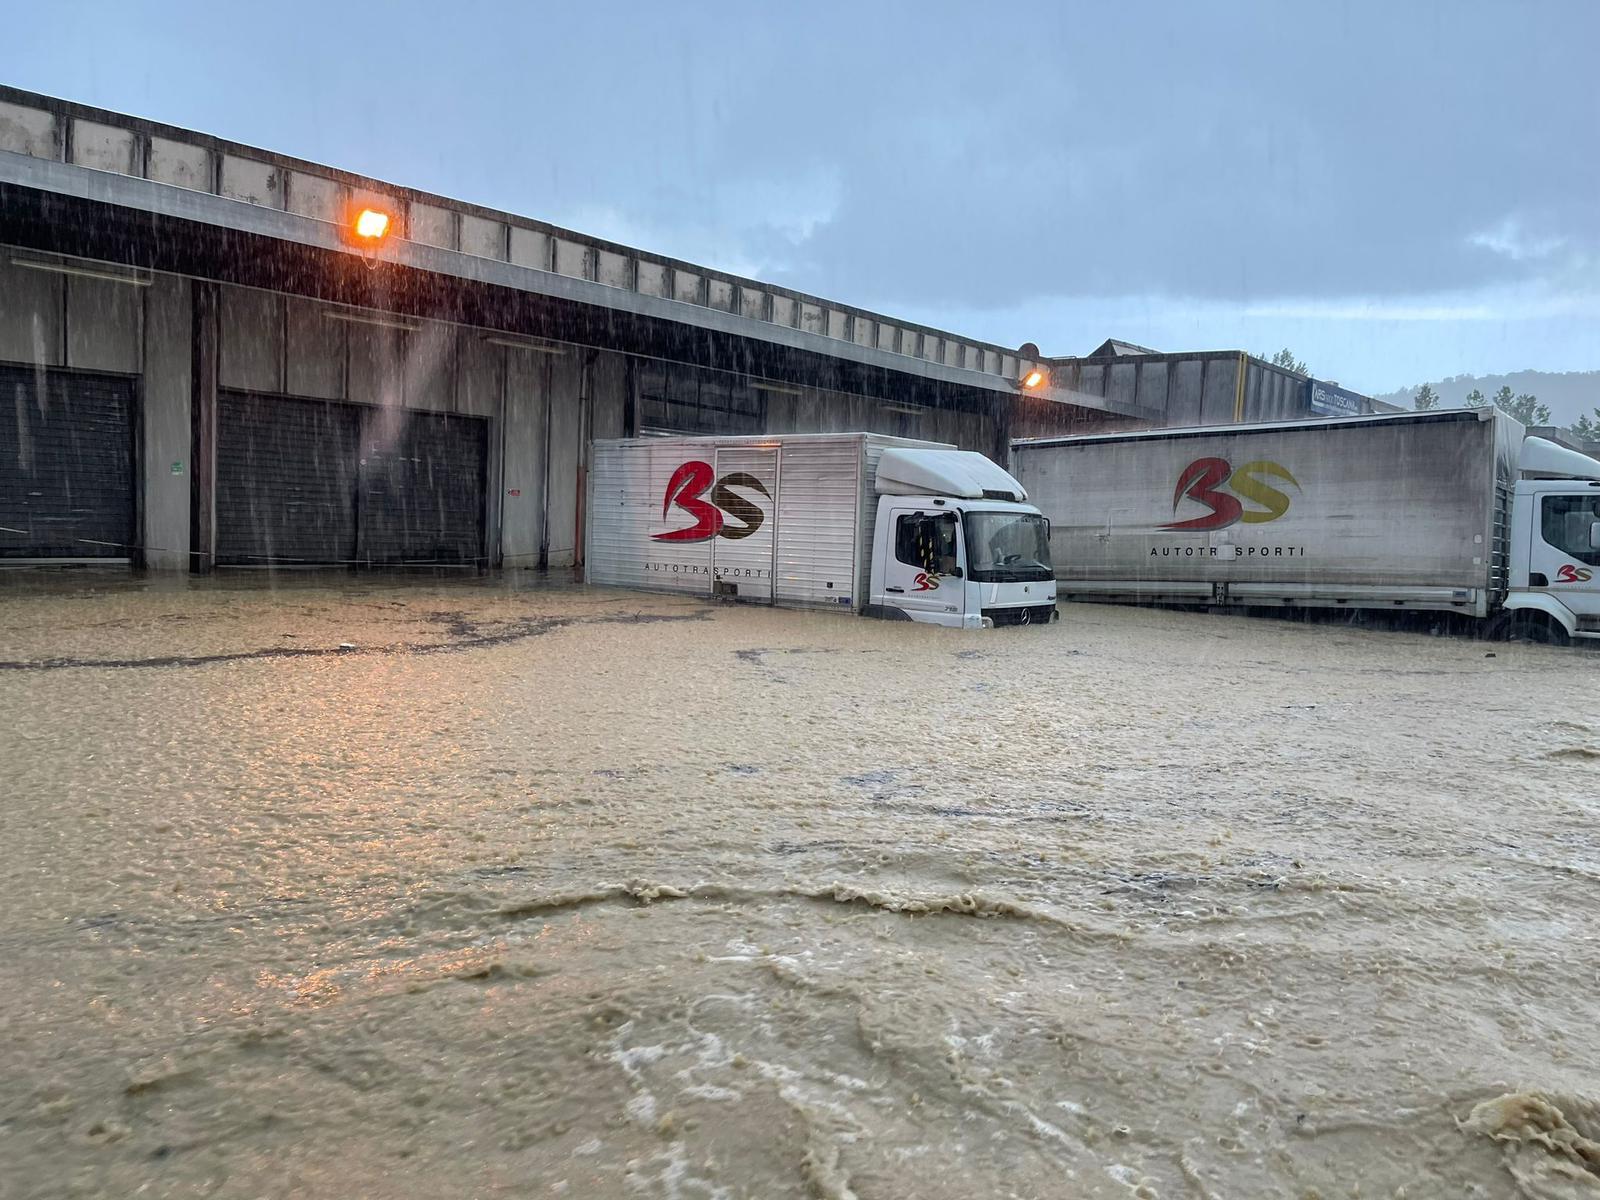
(286, 480)
(422, 487)
(66, 464)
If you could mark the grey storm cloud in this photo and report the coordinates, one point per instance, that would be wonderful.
(961, 155)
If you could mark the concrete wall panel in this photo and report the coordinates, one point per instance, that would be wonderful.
(104, 147)
(179, 164)
(377, 364)
(572, 258)
(719, 294)
(813, 319)
(483, 237)
(783, 310)
(838, 324)
(1220, 392)
(865, 331)
(609, 379)
(522, 491)
(652, 278)
(32, 307)
(250, 335)
(530, 248)
(753, 303)
(168, 370)
(614, 270)
(432, 226)
(479, 366)
(686, 286)
(565, 451)
(32, 131)
(430, 367)
(888, 337)
(314, 196)
(104, 325)
(316, 358)
(251, 181)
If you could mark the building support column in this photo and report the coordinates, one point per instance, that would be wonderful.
(203, 450)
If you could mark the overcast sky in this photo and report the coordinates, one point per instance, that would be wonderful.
(1400, 190)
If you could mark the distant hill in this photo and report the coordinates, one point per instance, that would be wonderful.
(1570, 394)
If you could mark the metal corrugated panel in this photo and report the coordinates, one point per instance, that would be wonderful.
(66, 464)
(817, 528)
(744, 493)
(629, 509)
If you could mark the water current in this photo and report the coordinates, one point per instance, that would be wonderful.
(416, 889)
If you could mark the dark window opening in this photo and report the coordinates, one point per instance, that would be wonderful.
(927, 543)
(1564, 523)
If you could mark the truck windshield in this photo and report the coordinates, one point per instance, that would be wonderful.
(1008, 547)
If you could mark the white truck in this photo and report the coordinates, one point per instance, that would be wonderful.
(1455, 511)
(875, 525)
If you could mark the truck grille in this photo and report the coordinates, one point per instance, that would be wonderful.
(1025, 614)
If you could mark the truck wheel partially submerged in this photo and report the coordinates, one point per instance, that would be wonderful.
(1451, 511)
(880, 526)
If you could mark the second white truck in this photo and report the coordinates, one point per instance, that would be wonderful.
(864, 523)
(1453, 511)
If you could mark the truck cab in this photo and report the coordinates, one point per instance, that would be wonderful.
(955, 543)
(1554, 577)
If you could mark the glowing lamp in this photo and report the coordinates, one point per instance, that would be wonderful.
(1033, 379)
(372, 225)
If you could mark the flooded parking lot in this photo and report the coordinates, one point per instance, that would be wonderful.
(383, 889)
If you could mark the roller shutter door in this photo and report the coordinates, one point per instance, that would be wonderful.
(306, 481)
(286, 480)
(422, 488)
(66, 464)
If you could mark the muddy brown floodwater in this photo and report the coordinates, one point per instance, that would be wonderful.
(568, 892)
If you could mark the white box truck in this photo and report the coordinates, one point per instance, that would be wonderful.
(1452, 510)
(879, 526)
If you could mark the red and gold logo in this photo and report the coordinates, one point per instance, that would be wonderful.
(1204, 479)
(685, 489)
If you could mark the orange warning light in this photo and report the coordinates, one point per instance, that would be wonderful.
(372, 225)
(1033, 379)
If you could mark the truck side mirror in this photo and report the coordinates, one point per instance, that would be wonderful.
(1594, 535)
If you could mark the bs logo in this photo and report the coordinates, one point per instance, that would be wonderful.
(1567, 573)
(689, 482)
(1203, 479)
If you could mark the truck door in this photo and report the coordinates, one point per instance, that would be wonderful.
(741, 553)
(923, 566)
(1564, 560)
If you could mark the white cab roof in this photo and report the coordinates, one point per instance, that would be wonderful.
(963, 473)
(1541, 457)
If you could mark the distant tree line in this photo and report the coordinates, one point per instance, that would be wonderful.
(1525, 407)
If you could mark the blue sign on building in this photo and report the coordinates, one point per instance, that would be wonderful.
(1330, 400)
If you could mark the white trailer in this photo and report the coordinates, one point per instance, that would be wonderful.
(1453, 510)
(869, 524)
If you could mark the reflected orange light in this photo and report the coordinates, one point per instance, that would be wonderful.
(372, 225)
(1033, 379)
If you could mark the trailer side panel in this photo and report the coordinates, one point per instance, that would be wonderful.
(1370, 510)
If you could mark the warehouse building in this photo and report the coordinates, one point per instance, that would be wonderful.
(206, 364)
(213, 355)
(1209, 387)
